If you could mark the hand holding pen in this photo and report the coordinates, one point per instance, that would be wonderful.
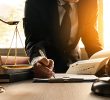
(43, 68)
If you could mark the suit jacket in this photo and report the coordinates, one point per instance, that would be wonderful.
(41, 27)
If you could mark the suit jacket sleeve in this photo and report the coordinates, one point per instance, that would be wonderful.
(87, 26)
(34, 28)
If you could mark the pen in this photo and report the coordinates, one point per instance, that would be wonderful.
(42, 54)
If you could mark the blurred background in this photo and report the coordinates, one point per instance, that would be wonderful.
(14, 10)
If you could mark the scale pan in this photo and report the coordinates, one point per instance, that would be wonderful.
(17, 66)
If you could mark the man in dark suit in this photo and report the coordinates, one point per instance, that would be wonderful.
(42, 26)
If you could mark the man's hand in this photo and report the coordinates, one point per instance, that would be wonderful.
(43, 68)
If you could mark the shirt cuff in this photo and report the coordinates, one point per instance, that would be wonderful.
(36, 59)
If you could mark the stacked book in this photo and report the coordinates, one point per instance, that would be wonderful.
(14, 73)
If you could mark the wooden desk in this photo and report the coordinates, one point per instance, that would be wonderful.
(26, 90)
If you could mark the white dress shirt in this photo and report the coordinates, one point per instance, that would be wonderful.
(73, 17)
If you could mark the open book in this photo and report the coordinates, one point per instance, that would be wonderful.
(92, 65)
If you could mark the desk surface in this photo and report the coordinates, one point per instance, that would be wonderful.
(26, 90)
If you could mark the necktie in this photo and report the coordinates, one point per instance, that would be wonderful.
(65, 26)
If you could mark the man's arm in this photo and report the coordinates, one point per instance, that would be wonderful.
(36, 34)
(87, 26)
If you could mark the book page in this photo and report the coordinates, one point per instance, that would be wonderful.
(101, 54)
(90, 66)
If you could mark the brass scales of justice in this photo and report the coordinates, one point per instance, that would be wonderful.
(4, 68)
(15, 35)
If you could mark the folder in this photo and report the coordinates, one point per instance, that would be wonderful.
(66, 78)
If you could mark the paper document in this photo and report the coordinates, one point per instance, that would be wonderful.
(75, 76)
